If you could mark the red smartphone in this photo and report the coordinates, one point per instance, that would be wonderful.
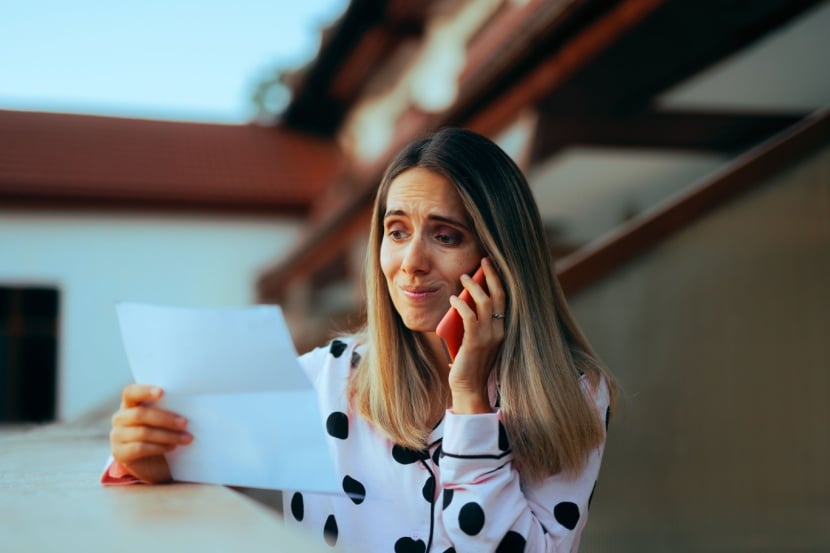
(451, 327)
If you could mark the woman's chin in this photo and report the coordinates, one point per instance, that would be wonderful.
(421, 324)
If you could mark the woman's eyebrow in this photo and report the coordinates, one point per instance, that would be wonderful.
(448, 220)
(432, 217)
(394, 213)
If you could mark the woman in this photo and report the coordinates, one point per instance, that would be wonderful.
(499, 450)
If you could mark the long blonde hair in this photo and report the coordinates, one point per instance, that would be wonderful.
(551, 424)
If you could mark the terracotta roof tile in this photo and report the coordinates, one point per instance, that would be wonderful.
(63, 159)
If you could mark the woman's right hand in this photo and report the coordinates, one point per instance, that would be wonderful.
(142, 433)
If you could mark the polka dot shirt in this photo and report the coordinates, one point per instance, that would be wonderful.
(461, 493)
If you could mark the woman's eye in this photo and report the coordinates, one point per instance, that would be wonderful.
(448, 238)
(396, 233)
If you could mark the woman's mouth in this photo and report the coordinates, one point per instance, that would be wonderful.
(418, 293)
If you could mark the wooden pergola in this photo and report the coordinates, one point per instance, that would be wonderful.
(589, 69)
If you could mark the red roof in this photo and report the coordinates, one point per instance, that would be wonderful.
(61, 160)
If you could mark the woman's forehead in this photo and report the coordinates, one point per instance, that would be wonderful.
(420, 188)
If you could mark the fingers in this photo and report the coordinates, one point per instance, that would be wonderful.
(483, 332)
(483, 335)
(466, 312)
(126, 453)
(148, 416)
(137, 394)
(494, 286)
(480, 297)
(140, 430)
(150, 436)
(490, 301)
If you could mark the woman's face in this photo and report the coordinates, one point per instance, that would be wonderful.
(427, 245)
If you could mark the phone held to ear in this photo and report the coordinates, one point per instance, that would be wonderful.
(451, 327)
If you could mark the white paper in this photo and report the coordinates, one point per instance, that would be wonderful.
(199, 350)
(233, 373)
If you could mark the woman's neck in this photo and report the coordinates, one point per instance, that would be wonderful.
(440, 357)
(441, 363)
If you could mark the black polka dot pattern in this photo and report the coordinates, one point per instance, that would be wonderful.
(297, 507)
(471, 518)
(408, 545)
(354, 489)
(513, 542)
(591, 497)
(330, 531)
(337, 425)
(413, 465)
(429, 489)
(504, 443)
(566, 514)
(406, 456)
(337, 348)
(448, 493)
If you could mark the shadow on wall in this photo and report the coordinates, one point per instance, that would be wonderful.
(719, 338)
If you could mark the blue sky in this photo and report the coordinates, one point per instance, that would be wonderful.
(162, 59)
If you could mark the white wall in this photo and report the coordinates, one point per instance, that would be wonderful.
(98, 260)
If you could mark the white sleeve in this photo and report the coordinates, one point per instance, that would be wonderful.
(315, 362)
(486, 507)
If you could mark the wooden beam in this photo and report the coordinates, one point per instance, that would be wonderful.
(327, 88)
(610, 252)
(323, 244)
(672, 43)
(719, 132)
(348, 80)
(556, 68)
(312, 107)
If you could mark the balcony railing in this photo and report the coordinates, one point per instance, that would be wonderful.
(50, 500)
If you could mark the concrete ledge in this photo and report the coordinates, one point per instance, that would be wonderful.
(50, 500)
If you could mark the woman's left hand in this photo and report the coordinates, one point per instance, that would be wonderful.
(483, 335)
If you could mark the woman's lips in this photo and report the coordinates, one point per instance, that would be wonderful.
(418, 292)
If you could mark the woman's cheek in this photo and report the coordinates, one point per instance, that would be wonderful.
(387, 262)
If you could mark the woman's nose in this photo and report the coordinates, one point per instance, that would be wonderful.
(416, 257)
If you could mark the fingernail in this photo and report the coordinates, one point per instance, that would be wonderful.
(155, 391)
(181, 422)
(186, 438)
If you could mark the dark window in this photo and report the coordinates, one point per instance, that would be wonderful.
(28, 353)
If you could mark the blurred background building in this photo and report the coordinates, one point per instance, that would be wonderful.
(679, 152)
